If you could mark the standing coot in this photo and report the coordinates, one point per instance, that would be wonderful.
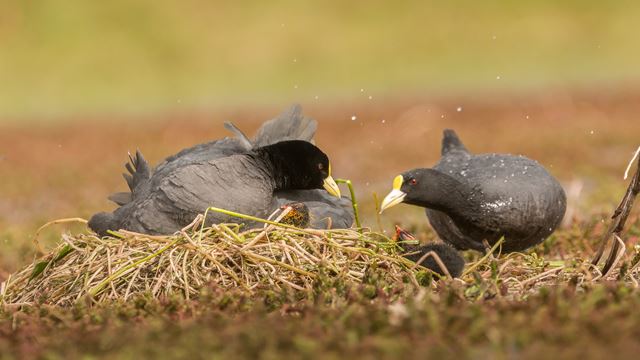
(470, 198)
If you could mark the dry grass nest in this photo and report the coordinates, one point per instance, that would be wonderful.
(275, 256)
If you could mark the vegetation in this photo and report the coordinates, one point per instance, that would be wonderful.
(520, 305)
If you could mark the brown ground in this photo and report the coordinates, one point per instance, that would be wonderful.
(56, 171)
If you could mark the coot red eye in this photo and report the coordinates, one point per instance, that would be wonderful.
(413, 181)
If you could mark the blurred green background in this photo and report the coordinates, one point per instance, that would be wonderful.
(65, 58)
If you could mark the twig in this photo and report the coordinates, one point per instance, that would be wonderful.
(626, 172)
(619, 219)
(53, 222)
(438, 261)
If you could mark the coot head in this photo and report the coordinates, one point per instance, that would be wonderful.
(423, 187)
(300, 165)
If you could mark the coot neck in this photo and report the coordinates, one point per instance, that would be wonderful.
(446, 194)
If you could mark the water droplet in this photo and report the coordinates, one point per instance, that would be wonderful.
(498, 77)
(295, 86)
(526, 117)
(442, 116)
(295, 60)
(316, 97)
(493, 37)
(459, 109)
(384, 121)
(591, 132)
(361, 90)
(370, 97)
(353, 118)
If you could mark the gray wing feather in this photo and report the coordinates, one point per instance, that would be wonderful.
(290, 125)
(138, 174)
(231, 183)
(240, 136)
(451, 143)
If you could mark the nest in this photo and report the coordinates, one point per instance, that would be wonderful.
(276, 256)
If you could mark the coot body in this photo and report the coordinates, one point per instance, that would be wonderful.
(248, 176)
(470, 198)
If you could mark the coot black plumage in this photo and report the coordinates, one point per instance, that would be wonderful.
(325, 211)
(449, 256)
(244, 183)
(471, 198)
(185, 184)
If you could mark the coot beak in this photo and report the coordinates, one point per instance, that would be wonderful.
(330, 185)
(395, 197)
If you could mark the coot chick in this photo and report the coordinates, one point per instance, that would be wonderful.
(449, 256)
(168, 200)
(297, 216)
(470, 198)
(325, 211)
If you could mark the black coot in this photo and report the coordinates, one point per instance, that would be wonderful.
(234, 174)
(471, 198)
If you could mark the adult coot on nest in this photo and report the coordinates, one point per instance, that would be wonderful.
(471, 198)
(235, 174)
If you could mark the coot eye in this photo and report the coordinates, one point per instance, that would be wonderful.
(413, 181)
(320, 167)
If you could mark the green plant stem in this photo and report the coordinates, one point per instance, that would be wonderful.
(247, 217)
(354, 203)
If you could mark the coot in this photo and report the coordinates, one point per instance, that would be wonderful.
(166, 201)
(447, 254)
(470, 198)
